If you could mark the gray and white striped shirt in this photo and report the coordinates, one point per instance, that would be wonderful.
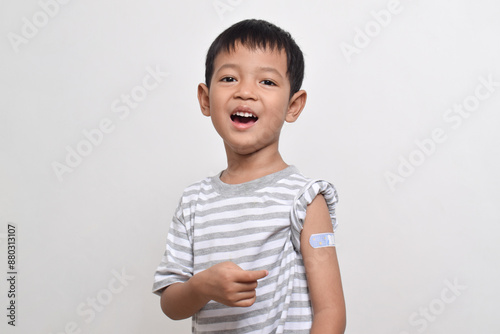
(257, 226)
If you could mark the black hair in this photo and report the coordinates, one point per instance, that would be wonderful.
(261, 34)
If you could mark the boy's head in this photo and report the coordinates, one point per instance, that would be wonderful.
(259, 34)
(254, 72)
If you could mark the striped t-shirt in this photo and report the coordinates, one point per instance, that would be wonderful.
(257, 226)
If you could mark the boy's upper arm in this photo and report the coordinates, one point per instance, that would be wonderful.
(322, 269)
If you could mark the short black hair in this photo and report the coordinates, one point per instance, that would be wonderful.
(261, 34)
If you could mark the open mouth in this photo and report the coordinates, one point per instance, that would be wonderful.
(243, 117)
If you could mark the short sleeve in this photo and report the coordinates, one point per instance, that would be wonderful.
(177, 262)
(303, 198)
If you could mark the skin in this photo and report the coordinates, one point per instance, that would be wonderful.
(257, 81)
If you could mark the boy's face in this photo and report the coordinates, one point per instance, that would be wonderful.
(249, 98)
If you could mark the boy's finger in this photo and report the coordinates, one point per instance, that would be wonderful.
(253, 275)
(247, 286)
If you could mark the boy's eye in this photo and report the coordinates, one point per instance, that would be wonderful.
(268, 82)
(228, 79)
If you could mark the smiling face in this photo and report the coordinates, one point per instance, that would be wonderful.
(249, 99)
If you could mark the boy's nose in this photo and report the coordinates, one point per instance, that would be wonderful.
(245, 91)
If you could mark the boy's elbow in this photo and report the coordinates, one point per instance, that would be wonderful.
(173, 316)
(339, 314)
(329, 320)
(341, 322)
(167, 309)
(169, 303)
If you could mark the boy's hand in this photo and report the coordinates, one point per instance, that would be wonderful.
(230, 285)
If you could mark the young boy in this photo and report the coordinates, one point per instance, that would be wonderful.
(251, 250)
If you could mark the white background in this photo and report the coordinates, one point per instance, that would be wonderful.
(400, 247)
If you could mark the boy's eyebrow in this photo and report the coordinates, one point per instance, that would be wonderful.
(234, 66)
(270, 69)
(261, 69)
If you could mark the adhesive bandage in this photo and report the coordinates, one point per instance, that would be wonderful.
(322, 240)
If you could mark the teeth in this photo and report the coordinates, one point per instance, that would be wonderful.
(244, 114)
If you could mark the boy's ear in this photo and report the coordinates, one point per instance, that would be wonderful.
(296, 105)
(203, 99)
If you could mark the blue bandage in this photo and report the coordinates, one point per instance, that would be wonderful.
(322, 240)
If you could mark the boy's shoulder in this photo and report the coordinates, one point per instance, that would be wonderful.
(198, 186)
(201, 183)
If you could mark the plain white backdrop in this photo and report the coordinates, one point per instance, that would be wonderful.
(100, 131)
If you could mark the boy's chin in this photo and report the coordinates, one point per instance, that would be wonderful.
(244, 151)
(248, 149)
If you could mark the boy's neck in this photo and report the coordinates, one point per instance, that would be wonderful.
(245, 168)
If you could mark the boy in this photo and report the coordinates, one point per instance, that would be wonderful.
(251, 249)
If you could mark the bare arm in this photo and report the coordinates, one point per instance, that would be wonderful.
(323, 273)
(181, 301)
(225, 283)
